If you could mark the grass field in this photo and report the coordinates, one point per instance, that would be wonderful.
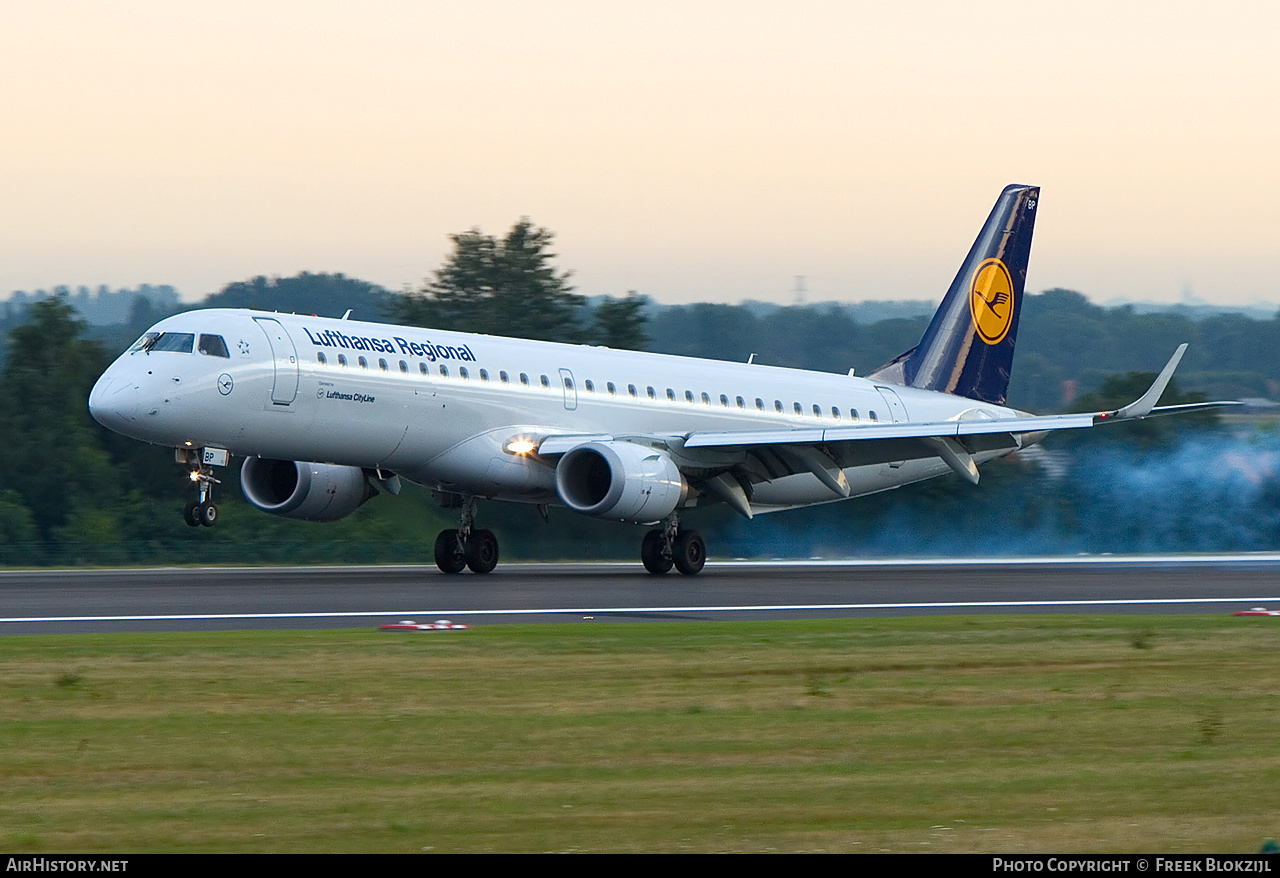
(1009, 734)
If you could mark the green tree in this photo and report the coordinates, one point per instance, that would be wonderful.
(52, 456)
(500, 287)
(306, 293)
(16, 523)
(620, 323)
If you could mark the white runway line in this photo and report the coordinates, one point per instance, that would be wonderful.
(616, 611)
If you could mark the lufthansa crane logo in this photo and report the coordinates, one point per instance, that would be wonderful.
(991, 301)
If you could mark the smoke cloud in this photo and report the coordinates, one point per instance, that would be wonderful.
(1210, 492)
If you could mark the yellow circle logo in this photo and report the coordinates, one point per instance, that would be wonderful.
(991, 301)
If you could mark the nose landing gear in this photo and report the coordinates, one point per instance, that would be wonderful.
(201, 511)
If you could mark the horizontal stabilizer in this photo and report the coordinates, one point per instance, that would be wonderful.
(1192, 407)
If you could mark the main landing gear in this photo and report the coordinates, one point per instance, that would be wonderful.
(670, 546)
(202, 510)
(465, 546)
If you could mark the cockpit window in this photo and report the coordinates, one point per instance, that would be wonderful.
(145, 343)
(213, 345)
(178, 342)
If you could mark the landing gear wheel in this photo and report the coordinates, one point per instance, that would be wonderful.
(689, 552)
(482, 551)
(207, 513)
(190, 514)
(653, 553)
(449, 556)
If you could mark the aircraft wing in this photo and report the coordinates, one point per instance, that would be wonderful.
(763, 455)
(825, 451)
(1142, 407)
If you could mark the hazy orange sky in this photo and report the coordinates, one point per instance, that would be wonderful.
(690, 151)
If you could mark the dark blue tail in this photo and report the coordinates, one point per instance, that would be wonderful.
(968, 348)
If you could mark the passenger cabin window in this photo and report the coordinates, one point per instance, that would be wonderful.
(546, 382)
(214, 346)
(671, 395)
(706, 399)
(342, 359)
(853, 414)
(484, 374)
(382, 364)
(422, 368)
(524, 379)
(504, 378)
(759, 404)
(590, 385)
(653, 394)
(817, 410)
(872, 416)
(320, 358)
(462, 373)
(798, 410)
(835, 413)
(777, 406)
(612, 390)
(404, 367)
(444, 371)
(364, 364)
(688, 396)
(631, 391)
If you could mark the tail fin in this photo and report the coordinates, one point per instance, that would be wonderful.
(968, 348)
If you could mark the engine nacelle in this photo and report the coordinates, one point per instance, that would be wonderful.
(619, 481)
(307, 491)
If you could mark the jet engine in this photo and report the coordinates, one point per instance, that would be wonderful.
(619, 481)
(307, 491)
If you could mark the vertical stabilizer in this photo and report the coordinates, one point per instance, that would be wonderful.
(968, 348)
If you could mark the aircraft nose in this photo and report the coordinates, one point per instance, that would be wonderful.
(113, 402)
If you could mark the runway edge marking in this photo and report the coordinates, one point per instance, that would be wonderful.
(924, 605)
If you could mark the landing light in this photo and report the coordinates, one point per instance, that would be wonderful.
(520, 446)
(195, 475)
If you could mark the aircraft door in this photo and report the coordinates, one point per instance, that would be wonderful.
(896, 409)
(284, 356)
(570, 390)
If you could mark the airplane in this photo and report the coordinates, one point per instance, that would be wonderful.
(329, 412)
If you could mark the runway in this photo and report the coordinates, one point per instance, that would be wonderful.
(191, 599)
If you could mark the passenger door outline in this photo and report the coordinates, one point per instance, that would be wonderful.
(284, 358)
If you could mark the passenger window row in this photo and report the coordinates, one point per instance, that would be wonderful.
(610, 388)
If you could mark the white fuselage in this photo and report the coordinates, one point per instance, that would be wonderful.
(440, 408)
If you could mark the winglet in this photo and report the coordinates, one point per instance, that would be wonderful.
(1142, 406)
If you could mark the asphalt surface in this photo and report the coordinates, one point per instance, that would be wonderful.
(191, 599)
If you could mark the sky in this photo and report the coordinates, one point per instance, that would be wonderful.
(690, 151)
